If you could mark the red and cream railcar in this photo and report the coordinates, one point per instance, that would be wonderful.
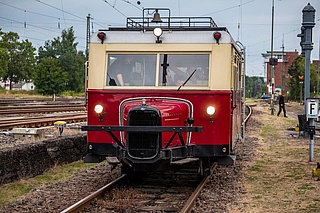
(164, 94)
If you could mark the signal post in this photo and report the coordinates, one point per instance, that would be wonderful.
(311, 105)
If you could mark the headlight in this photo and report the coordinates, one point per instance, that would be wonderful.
(157, 31)
(98, 108)
(211, 110)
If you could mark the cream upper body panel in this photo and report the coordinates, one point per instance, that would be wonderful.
(176, 42)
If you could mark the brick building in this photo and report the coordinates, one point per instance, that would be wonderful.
(281, 76)
(316, 65)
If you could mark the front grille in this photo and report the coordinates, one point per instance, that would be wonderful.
(142, 145)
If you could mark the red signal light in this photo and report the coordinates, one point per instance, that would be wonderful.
(273, 61)
(217, 36)
(101, 36)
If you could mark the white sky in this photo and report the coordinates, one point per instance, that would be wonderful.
(43, 18)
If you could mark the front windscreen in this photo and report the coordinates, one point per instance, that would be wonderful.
(187, 69)
(131, 70)
(173, 70)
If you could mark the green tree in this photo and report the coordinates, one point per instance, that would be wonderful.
(20, 57)
(69, 59)
(296, 83)
(297, 78)
(255, 86)
(49, 78)
(4, 58)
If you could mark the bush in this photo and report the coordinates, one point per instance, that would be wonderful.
(72, 94)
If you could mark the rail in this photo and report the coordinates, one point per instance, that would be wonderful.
(40, 109)
(190, 202)
(155, 201)
(39, 121)
(10, 101)
(80, 205)
(248, 115)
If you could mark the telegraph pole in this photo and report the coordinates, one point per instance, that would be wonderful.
(318, 70)
(88, 35)
(282, 69)
(272, 63)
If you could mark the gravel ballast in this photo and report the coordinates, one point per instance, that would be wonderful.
(221, 191)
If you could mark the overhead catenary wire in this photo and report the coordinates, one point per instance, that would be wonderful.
(31, 12)
(22, 23)
(50, 16)
(64, 11)
(113, 6)
(26, 25)
(128, 2)
(39, 14)
(229, 8)
(37, 27)
(60, 9)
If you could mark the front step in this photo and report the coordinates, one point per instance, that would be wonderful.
(112, 160)
(184, 161)
(227, 160)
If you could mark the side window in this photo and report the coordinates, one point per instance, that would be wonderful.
(131, 70)
(175, 69)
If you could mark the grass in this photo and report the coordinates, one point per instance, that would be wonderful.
(14, 190)
(267, 130)
(33, 94)
(280, 178)
(250, 101)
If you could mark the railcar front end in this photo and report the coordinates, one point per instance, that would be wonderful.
(158, 105)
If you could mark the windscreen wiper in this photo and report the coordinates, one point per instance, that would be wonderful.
(186, 81)
(164, 69)
(112, 82)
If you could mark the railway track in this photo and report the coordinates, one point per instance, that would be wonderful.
(161, 193)
(35, 113)
(21, 101)
(248, 114)
(158, 196)
(10, 110)
(40, 121)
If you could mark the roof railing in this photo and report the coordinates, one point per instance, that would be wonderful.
(168, 22)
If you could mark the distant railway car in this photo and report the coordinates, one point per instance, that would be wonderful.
(164, 92)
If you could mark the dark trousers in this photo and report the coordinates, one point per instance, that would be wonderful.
(282, 107)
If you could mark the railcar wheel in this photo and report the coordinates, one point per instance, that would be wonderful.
(134, 176)
(204, 167)
(126, 169)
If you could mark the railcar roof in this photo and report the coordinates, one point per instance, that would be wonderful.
(170, 23)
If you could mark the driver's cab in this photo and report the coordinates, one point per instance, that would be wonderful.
(157, 69)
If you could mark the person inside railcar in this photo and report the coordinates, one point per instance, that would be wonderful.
(121, 70)
(179, 79)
